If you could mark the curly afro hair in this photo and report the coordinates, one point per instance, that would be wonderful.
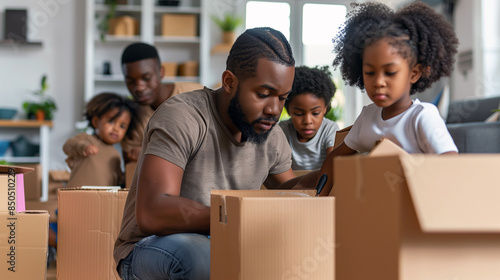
(107, 101)
(317, 81)
(417, 32)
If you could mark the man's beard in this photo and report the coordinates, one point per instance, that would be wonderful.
(248, 133)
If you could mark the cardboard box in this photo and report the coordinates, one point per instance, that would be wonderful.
(184, 25)
(12, 188)
(58, 179)
(88, 224)
(32, 181)
(23, 245)
(50, 206)
(271, 234)
(123, 26)
(401, 216)
(189, 69)
(129, 173)
(170, 69)
(340, 135)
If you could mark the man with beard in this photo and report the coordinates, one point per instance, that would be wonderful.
(143, 73)
(201, 141)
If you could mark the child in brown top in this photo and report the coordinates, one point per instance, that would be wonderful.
(93, 159)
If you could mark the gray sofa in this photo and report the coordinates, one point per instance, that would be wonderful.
(466, 124)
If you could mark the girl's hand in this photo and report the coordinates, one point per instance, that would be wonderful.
(90, 150)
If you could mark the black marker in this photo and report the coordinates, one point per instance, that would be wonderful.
(321, 183)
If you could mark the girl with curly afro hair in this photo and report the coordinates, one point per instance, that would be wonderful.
(392, 55)
(310, 135)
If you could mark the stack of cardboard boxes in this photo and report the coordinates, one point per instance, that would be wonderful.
(394, 216)
(23, 234)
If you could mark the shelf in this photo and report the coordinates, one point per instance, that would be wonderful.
(121, 79)
(109, 78)
(177, 10)
(24, 123)
(118, 39)
(176, 39)
(21, 159)
(15, 43)
(119, 8)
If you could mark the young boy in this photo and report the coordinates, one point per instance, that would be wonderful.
(310, 135)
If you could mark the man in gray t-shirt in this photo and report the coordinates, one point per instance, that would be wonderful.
(205, 140)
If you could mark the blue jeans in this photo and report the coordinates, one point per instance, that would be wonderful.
(176, 256)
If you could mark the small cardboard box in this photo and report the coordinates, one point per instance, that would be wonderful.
(401, 216)
(169, 68)
(184, 25)
(58, 179)
(88, 224)
(123, 26)
(271, 234)
(23, 245)
(12, 188)
(189, 68)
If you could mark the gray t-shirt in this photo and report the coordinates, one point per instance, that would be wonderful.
(311, 154)
(187, 131)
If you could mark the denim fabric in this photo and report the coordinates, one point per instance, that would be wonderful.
(177, 256)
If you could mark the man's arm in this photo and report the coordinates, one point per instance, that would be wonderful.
(159, 208)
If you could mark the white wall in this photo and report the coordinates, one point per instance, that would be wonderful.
(59, 25)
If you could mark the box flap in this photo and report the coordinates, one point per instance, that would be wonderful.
(455, 193)
(386, 148)
(17, 169)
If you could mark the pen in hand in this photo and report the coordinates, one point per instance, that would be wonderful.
(321, 183)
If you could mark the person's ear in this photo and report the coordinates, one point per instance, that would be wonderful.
(95, 122)
(162, 71)
(229, 81)
(415, 73)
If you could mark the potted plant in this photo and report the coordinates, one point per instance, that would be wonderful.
(228, 24)
(103, 25)
(44, 107)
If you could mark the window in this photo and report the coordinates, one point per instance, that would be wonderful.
(310, 27)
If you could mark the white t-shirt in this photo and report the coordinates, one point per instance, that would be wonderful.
(311, 154)
(419, 129)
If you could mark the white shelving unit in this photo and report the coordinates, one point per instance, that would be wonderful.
(43, 159)
(148, 13)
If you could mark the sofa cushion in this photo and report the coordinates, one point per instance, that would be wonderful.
(479, 137)
(474, 110)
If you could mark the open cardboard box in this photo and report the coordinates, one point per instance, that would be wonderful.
(88, 224)
(271, 234)
(401, 216)
(12, 188)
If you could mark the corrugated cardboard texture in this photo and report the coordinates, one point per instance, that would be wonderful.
(179, 25)
(417, 217)
(30, 233)
(88, 224)
(271, 235)
(33, 182)
(8, 185)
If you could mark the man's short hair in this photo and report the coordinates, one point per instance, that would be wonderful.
(256, 43)
(139, 51)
